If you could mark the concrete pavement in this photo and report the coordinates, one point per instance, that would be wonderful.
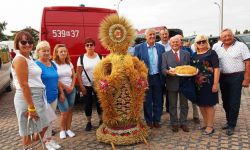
(160, 139)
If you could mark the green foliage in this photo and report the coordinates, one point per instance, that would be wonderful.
(2, 28)
(246, 31)
(237, 32)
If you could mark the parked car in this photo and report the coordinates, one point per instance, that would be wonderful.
(140, 38)
(245, 38)
(5, 64)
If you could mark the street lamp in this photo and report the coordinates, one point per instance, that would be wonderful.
(220, 6)
(118, 6)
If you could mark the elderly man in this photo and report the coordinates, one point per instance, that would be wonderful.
(171, 59)
(151, 53)
(194, 106)
(234, 58)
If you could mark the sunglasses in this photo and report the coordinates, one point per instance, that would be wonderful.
(89, 45)
(25, 42)
(203, 42)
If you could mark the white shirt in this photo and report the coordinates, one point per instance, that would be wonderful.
(166, 46)
(89, 65)
(65, 73)
(34, 74)
(216, 45)
(232, 59)
(178, 53)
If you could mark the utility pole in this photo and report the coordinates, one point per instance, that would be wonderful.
(220, 6)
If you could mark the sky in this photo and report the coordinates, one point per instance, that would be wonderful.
(192, 16)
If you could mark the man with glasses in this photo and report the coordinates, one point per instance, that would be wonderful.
(151, 53)
(234, 59)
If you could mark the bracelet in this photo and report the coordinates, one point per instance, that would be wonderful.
(31, 110)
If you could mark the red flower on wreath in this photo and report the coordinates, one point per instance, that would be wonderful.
(113, 134)
(104, 85)
(142, 83)
(104, 131)
(126, 134)
(135, 132)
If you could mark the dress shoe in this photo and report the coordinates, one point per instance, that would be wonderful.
(230, 131)
(185, 128)
(196, 120)
(225, 127)
(157, 125)
(150, 125)
(175, 128)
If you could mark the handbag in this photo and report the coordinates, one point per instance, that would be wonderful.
(31, 136)
(187, 88)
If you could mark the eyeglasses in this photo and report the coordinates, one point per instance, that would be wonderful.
(25, 42)
(203, 42)
(89, 45)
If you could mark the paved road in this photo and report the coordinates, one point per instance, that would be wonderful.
(159, 139)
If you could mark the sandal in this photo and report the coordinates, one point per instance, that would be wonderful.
(203, 128)
(208, 133)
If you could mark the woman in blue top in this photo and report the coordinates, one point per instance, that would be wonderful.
(50, 80)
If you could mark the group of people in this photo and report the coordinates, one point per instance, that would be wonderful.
(227, 65)
(49, 82)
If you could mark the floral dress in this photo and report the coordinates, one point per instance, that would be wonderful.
(205, 78)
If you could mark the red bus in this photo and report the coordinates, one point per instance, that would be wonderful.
(71, 25)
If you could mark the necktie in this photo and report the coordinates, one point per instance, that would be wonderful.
(177, 57)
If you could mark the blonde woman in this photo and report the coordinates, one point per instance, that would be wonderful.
(67, 79)
(28, 98)
(207, 81)
(49, 78)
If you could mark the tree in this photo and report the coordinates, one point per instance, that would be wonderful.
(2, 28)
(246, 31)
(34, 33)
(237, 32)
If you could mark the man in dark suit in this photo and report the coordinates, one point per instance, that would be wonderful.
(151, 53)
(171, 59)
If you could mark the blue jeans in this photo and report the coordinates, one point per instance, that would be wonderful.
(154, 99)
(68, 102)
(231, 86)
